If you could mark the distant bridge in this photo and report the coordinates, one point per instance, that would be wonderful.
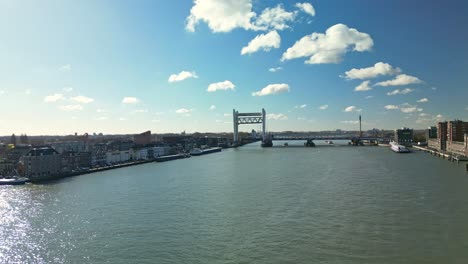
(267, 139)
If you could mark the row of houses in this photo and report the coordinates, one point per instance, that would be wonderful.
(46, 161)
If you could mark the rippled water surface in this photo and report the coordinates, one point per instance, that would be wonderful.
(247, 205)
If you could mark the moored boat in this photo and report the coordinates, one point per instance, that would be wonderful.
(199, 152)
(13, 181)
(398, 148)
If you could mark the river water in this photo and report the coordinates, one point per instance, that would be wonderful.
(329, 204)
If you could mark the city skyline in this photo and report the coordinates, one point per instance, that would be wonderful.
(122, 68)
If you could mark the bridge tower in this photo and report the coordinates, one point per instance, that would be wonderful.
(247, 118)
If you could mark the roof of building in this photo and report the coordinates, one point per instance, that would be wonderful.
(42, 151)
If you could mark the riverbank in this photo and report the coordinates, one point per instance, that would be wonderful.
(106, 168)
(449, 157)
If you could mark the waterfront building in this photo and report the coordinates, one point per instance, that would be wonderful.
(160, 151)
(457, 137)
(140, 154)
(75, 146)
(98, 154)
(6, 167)
(439, 143)
(404, 136)
(143, 138)
(118, 156)
(41, 162)
(431, 132)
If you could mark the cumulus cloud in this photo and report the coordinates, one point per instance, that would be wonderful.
(402, 79)
(379, 68)
(274, 18)
(130, 100)
(407, 108)
(323, 107)
(276, 116)
(221, 15)
(306, 8)
(392, 107)
(82, 99)
(67, 89)
(300, 106)
(212, 107)
(329, 47)
(272, 89)
(352, 109)
(226, 85)
(350, 122)
(53, 98)
(140, 111)
(398, 91)
(182, 76)
(70, 108)
(363, 87)
(275, 69)
(423, 100)
(183, 111)
(263, 42)
(369, 97)
(66, 68)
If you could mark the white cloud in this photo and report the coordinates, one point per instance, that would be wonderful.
(407, 108)
(53, 98)
(277, 116)
(272, 89)
(183, 111)
(439, 116)
(102, 118)
(423, 100)
(182, 76)
(306, 8)
(369, 97)
(122, 119)
(350, 122)
(212, 107)
(226, 85)
(82, 99)
(263, 41)
(156, 120)
(323, 107)
(392, 107)
(67, 89)
(379, 68)
(71, 108)
(329, 47)
(352, 109)
(221, 15)
(139, 111)
(402, 79)
(65, 68)
(300, 106)
(2, 92)
(398, 91)
(130, 100)
(363, 87)
(227, 115)
(99, 110)
(275, 69)
(274, 18)
(28, 91)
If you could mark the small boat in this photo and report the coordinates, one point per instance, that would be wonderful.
(13, 181)
(398, 148)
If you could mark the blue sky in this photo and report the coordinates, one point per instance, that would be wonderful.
(106, 66)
